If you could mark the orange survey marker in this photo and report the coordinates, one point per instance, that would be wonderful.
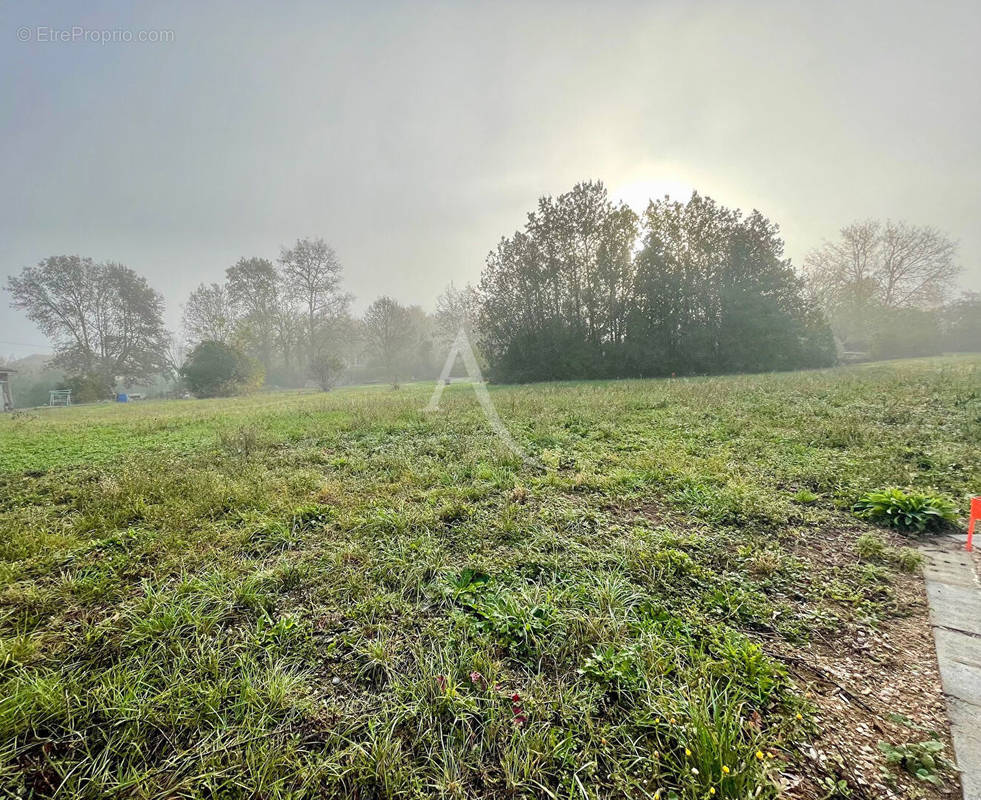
(975, 516)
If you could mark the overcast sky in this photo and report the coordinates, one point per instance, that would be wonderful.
(412, 136)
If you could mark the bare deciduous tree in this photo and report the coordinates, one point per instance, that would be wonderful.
(895, 265)
(209, 315)
(313, 274)
(918, 266)
(288, 329)
(455, 309)
(175, 354)
(388, 329)
(254, 289)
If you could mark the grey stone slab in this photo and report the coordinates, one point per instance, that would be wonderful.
(948, 554)
(955, 607)
(948, 571)
(965, 728)
(955, 611)
(959, 657)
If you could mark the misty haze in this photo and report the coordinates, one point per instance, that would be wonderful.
(451, 400)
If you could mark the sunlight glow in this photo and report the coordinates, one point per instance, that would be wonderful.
(639, 192)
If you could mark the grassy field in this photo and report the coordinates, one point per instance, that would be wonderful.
(339, 595)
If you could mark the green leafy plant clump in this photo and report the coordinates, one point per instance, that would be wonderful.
(906, 511)
(924, 759)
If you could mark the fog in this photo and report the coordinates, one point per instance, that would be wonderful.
(413, 136)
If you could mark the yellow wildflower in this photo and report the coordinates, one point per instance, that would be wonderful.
(725, 770)
(759, 754)
(687, 752)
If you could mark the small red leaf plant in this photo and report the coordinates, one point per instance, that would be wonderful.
(519, 719)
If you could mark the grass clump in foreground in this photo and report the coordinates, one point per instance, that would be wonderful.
(310, 595)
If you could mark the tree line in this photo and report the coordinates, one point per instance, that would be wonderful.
(286, 323)
(290, 324)
(589, 289)
(586, 289)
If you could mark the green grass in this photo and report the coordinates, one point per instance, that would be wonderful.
(336, 594)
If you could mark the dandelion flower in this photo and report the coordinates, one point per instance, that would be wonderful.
(725, 770)
(799, 717)
(759, 754)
